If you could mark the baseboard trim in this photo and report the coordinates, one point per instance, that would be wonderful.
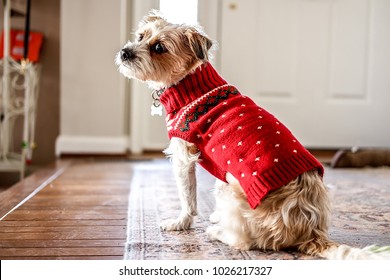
(66, 144)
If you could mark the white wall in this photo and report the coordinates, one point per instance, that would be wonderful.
(94, 116)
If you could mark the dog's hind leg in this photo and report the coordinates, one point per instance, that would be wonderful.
(184, 156)
(230, 225)
(219, 187)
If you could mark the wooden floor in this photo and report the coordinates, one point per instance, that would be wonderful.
(72, 210)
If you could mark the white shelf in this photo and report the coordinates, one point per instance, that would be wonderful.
(19, 88)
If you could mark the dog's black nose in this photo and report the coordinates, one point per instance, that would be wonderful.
(127, 54)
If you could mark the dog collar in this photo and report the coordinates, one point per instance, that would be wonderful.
(203, 80)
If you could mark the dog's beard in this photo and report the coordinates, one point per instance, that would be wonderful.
(135, 69)
(144, 69)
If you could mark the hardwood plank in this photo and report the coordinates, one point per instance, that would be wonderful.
(75, 234)
(58, 252)
(61, 223)
(74, 189)
(93, 228)
(64, 207)
(91, 214)
(80, 201)
(87, 207)
(57, 243)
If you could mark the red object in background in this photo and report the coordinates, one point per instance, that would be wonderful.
(17, 45)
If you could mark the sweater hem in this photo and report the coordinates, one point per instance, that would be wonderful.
(280, 175)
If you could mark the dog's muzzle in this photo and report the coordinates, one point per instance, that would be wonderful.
(127, 54)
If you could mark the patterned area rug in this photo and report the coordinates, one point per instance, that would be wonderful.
(361, 214)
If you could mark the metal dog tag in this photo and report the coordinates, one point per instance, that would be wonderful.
(156, 110)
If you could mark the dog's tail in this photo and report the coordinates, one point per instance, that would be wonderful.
(345, 252)
(333, 251)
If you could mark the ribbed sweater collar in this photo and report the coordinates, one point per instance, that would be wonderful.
(204, 79)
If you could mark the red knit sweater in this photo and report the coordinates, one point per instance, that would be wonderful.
(234, 135)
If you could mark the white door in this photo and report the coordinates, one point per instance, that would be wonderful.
(322, 67)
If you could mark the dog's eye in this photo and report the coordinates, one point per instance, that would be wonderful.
(158, 48)
(140, 37)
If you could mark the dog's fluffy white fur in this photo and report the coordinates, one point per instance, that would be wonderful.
(294, 216)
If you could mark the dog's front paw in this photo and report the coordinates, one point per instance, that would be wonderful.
(214, 232)
(176, 224)
(215, 217)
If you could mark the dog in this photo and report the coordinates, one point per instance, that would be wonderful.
(269, 191)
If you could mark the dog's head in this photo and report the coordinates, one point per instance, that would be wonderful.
(163, 53)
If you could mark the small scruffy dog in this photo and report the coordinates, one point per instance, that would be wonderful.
(269, 192)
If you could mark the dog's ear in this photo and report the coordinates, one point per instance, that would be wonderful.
(153, 15)
(200, 44)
